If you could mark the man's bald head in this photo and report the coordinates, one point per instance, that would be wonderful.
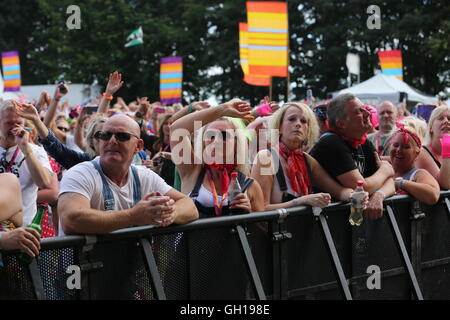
(387, 116)
(123, 121)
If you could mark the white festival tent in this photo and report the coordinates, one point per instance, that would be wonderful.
(381, 87)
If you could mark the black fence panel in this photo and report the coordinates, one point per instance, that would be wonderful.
(284, 254)
(435, 273)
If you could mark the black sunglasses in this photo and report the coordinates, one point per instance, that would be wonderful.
(213, 134)
(120, 136)
(64, 129)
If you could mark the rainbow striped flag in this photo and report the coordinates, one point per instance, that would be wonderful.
(170, 80)
(268, 38)
(11, 71)
(256, 80)
(391, 63)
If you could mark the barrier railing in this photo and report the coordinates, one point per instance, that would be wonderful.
(282, 254)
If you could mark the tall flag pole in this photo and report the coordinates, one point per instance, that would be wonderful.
(11, 71)
(268, 38)
(170, 80)
(252, 79)
(391, 63)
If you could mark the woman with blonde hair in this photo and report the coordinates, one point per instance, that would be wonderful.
(219, 152)
(286, 172)
(435, 154)
(406, 146)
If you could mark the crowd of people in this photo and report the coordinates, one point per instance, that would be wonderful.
(148, 164)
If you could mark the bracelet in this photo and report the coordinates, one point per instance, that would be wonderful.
(382, 192)
(190, 108)
(106, 96)
(294, 202)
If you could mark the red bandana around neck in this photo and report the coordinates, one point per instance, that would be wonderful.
(297, 169)
(225, 174)
(353, 142)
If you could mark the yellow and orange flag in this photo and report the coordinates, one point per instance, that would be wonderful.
(391, 63)
(268, 37)
(256, 80)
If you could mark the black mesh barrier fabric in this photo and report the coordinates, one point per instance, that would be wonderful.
(435, 240)
(307, 251)
(216, 266)
(374, 246)
(260, 241)
(171, 257)
(123, 275)
(15, 280)
(53, 266)
(209, 263)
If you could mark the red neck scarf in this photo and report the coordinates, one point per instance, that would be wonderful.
(225, 174)
(297, 169)
(353, 142)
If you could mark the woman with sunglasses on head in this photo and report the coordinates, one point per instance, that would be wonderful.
(419, 183)
(286, 173)
(219, 151)
(65, 156)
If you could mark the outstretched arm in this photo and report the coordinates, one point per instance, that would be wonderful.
(114, 84)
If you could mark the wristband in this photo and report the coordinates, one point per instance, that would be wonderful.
(445, 142)
(294, 202)
(190, 108)
(382, 192)
(106, 96)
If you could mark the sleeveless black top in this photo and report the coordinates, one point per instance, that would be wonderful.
(209, 212)
(281, 177)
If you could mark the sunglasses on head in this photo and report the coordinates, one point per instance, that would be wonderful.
(320, 112)
(64, 129)
(216, 134)
(120, 136)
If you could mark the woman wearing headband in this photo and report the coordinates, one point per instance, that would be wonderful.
(419, 183)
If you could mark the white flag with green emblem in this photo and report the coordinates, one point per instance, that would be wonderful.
(135, 38)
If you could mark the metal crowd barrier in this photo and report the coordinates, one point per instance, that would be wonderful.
(281, 254)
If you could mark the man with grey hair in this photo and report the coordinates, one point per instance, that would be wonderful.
(25, 160)
(346, 155)
(387, 117)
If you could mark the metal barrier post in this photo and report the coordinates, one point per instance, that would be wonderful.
(336, 263)
(447, 203)
(404, 253)
(250, 263)
(152, 269)
(36, 279)
(416, 239)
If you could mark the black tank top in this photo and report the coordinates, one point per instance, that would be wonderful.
(432, 156)
(281, 177)
(209, 212)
